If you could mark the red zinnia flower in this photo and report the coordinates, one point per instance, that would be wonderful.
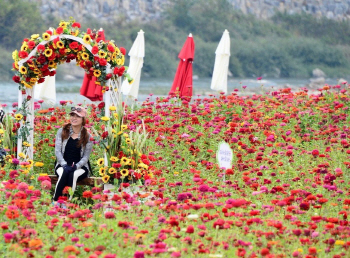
(123, 50)
(190, 229)
(87, 194)
(109, 215)
(59, 30)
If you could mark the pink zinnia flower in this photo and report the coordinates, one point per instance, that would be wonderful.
(8, 236)
(203, 188)
(175, 254)
(51, 212)
(22, 186)
(139, 254)
(75, 239)
(15, 161)
(110, 256)
(45, 185)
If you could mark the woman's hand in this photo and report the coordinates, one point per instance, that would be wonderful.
(66, 168)
(70, 169)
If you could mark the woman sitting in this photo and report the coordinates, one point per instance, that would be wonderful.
(72, 149)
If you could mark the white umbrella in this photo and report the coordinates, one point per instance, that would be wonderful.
(46, 90)
(219, 80)
(136, 53)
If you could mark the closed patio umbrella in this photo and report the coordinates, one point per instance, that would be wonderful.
(46, 90)
(182, 84)
(136, 53)
(219, 79)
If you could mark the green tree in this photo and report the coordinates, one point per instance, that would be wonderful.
(18, 19)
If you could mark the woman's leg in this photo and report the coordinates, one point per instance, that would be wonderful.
(61, 182)
(75, 177)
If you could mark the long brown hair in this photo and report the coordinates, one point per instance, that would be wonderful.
(84, 136)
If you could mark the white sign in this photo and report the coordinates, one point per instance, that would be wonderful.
(224, 155)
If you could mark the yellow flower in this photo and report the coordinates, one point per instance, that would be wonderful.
(102, 171)
(26, 84)
(105, 118)
(132, 81)
(87, 38)
(112, 108)
(124, 172)
(339, 242)
(35, 36)
(125, 135)
(63, 24)
(100, 161)
(112, 171)
(48, 52)
(52, 64)
(24, 47)
(85, 56)
(46, 36)
(31, 162)
(143, 165)
(124, 127)
(119, 61)
(113, 159)
(119, 133)
(115, 115)
(18, 117)
(75, 33)
(102, 54)
(128, 140)
(15, 55)
(38, 164)
(2, 131)
(97, 73)
(60, 44)
(125, 161)
(25, 171)
(105, 178)
(117, 50)
(23, 70)
(26, 144)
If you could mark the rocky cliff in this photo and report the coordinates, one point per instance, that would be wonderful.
(144, 10)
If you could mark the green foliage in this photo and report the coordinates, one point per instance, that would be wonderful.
(285, 46)
(326, 30)
(18, 19)
(5, 64)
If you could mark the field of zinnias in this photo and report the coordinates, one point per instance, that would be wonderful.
(285, 196)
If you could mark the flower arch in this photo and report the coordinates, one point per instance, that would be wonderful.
(39, 56)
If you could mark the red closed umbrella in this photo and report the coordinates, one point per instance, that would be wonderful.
(89, 88)
(182, 84)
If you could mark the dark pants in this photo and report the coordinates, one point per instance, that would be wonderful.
(68, 179)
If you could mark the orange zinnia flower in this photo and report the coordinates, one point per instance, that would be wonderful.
(35, 244)
(12, 214)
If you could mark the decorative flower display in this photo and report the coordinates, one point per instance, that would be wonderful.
(287, 191)
(126, 163)
(64, 44)
(39, 56)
